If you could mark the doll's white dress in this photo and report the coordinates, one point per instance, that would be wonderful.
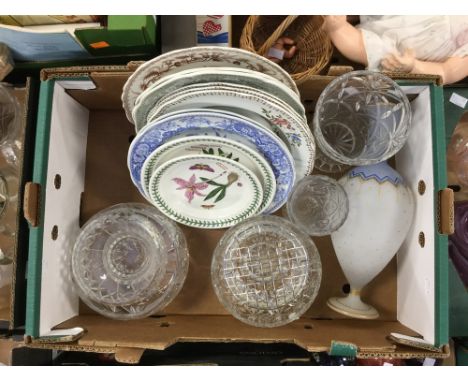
(432, 38)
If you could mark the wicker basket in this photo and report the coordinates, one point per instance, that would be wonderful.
(314, 48)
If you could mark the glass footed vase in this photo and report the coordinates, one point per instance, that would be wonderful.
(381, 209)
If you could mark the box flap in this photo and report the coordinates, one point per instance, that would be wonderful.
(60, 152)
(159, 333)
(57, 336)
(128, 355)
(416, 290)
(413, 342)
(79, 71)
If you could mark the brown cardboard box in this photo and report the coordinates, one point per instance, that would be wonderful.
(13, 296)
(196, 314)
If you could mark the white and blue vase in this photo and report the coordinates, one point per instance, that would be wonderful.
(381, 209)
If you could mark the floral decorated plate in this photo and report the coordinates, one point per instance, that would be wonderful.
(215, 146)
(197, 57)
(176, 82)
(283, 121)
(205, 191)
(237, 108)
(208, 123)
(234, 112)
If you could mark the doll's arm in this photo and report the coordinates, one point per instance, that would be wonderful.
(347, 39)
(452, 70)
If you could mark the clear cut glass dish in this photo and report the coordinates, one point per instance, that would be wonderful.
(10, 120)
(266, 272)
(318, 205)
(129, 261)
(361, 118)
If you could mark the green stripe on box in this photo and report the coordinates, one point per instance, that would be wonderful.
(41, 157)
(441, 241)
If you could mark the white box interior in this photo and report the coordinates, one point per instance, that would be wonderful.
(67, 158)
(69, 124)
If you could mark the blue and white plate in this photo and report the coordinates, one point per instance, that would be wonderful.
(219, 125)
(282, 119)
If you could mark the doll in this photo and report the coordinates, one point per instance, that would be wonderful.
(411, 44)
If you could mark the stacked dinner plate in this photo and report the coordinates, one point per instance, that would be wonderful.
(221, 135)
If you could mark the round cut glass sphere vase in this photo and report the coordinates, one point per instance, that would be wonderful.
(318, 205)
(361, 118)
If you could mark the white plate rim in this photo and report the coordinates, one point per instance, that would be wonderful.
(269, 178)
(142, 71)
(252, 209)
(147, 99)
(303, 130)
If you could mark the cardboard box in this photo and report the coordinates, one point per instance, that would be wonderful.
(13, 296)
(83, 136)
(14, 352)
(132, 37)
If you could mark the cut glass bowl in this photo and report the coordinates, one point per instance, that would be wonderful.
(266, 272)
(361, 118)
(129, 261)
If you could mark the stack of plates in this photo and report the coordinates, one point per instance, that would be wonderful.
(221, 135)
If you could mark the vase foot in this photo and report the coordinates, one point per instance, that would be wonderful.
(353, 308)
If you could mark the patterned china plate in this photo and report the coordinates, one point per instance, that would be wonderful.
(215, 146)
(216, 124)
(174, 83)
(205, 191)
(234, 112)
(283, 121)
(197, 57)
(239, 109)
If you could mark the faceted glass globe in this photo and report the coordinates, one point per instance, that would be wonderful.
(9, 125)
(266, 272)
(318, 205)
(361, 118)
(129, 261)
